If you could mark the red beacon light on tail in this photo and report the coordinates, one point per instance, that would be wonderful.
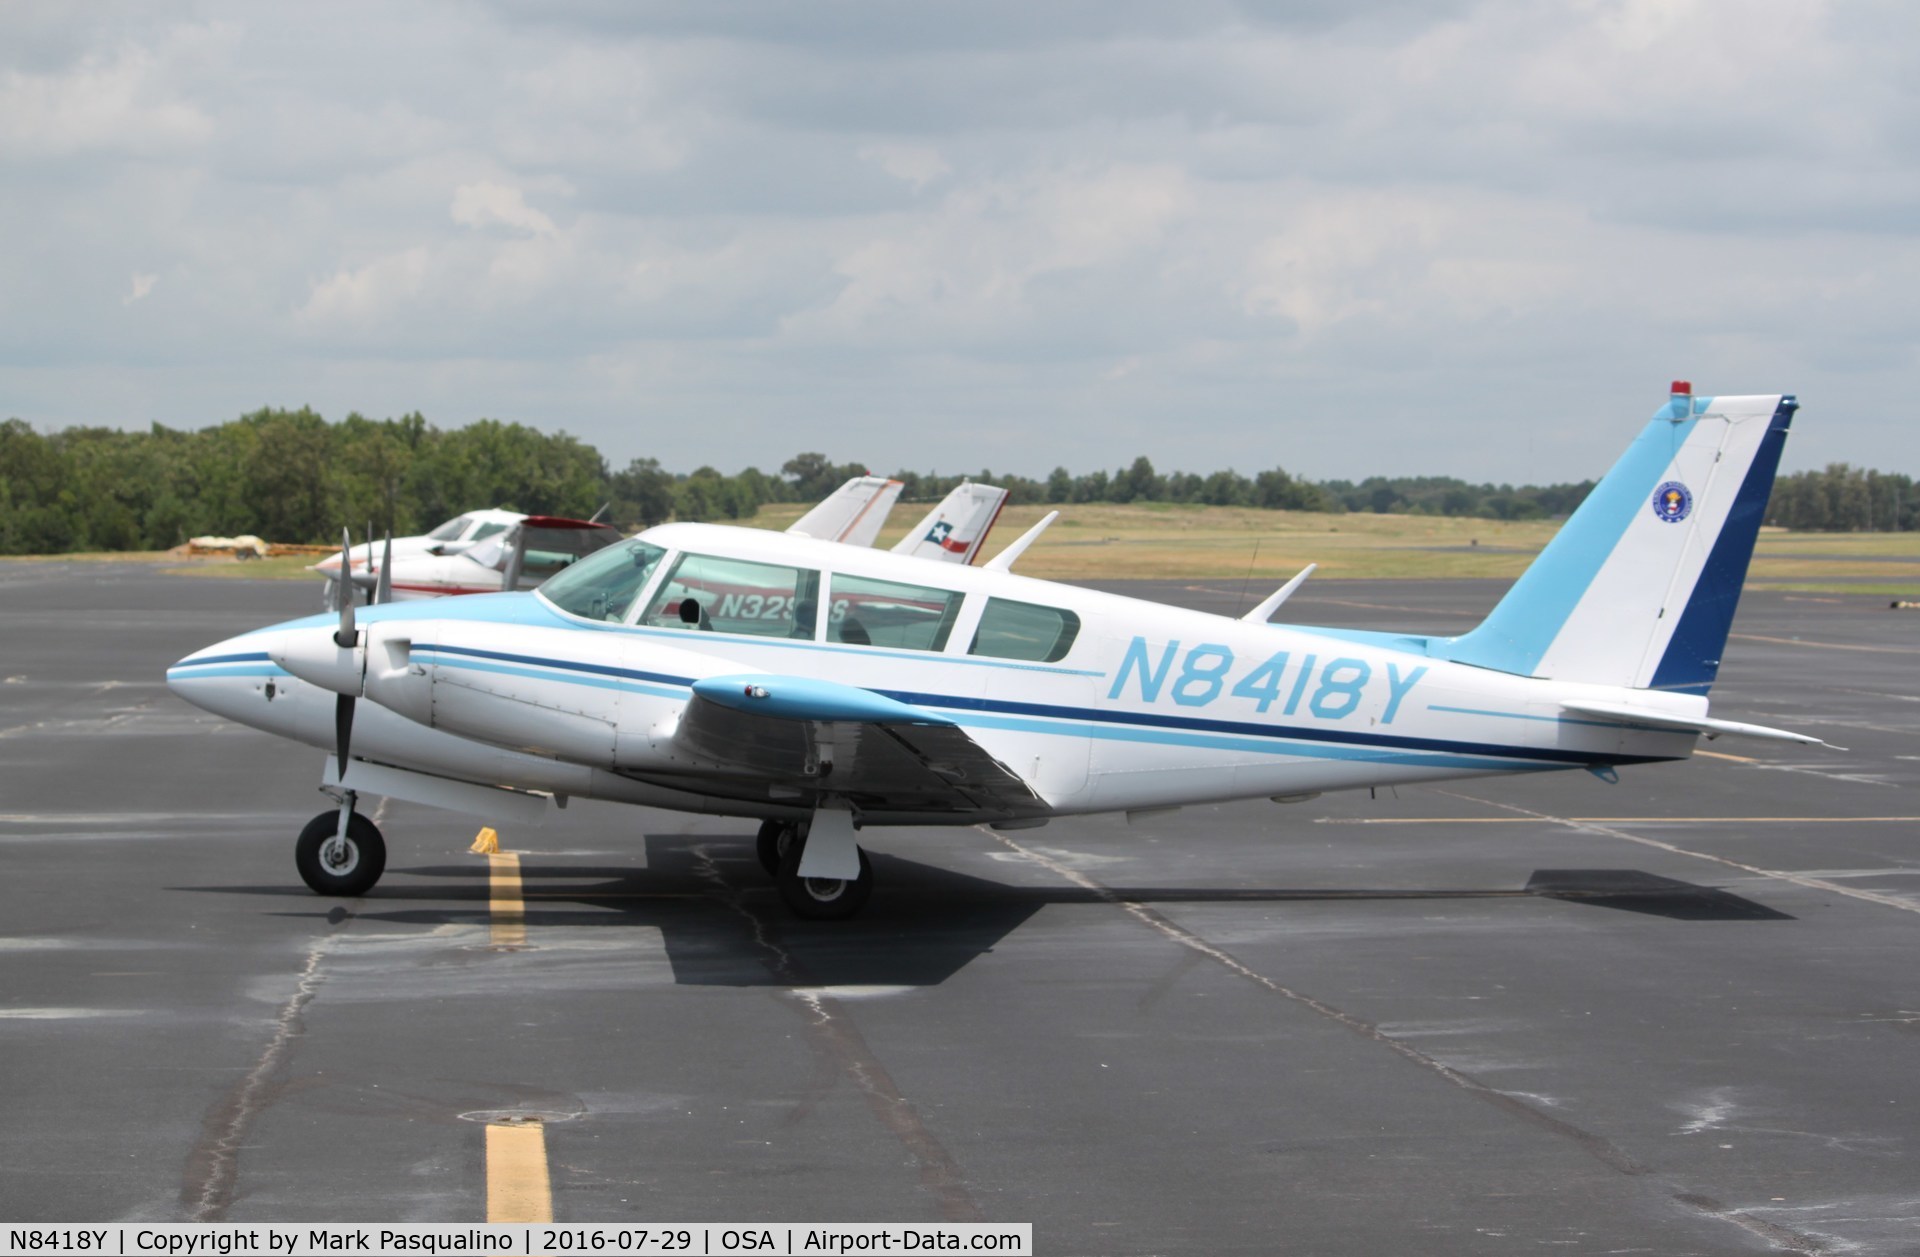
(1682, 389)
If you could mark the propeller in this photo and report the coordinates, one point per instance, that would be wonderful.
(383, 588)
(345, 638)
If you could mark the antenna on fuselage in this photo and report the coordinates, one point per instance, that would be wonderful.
(1261, 613)
(1003, 561)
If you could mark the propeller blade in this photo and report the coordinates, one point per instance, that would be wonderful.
(344, 636)
(383, 588)
(343, 729)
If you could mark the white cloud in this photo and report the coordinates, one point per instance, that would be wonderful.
(119, 99)
(140, 286)
(485, 204)
(915, 164)
(381, 290)
(1207, 233)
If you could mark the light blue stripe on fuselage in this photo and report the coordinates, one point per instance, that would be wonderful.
(568, 677)
(189, 672)
(1516, 636)
(1227, 742)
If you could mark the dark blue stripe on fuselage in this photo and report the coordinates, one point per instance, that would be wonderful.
(1243, 728)
(1692, 659)
(1152, 720)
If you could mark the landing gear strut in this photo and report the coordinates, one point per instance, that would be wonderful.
(839, 878)
(822, 898)
(341, 852)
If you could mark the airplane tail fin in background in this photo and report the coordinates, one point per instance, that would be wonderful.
(853, 513)
(955, 528)
(1639, 587)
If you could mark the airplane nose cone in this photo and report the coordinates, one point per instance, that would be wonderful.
(221, 677)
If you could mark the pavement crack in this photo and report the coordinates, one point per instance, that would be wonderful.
(214, 1165)
(1597, 1146)
(832, 1028)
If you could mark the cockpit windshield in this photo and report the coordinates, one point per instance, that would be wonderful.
(603, 586)
(451, 530)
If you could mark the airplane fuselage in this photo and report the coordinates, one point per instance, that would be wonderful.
(1145, 706)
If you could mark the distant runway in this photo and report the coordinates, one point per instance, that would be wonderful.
(1676, 1015)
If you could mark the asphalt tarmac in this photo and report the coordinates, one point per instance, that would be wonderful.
(1680, 1014)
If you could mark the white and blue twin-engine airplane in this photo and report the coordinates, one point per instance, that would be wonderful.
(824, 689)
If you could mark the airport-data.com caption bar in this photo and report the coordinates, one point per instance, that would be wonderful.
(692, 1239)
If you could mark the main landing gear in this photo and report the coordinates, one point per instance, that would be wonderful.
(782, 846)
(341, 852)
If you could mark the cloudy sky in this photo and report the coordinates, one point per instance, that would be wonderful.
(1462, 238)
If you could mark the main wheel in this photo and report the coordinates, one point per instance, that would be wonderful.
(344, 866)
(776, 838)
(822, 898)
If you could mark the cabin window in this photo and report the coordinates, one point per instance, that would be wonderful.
(705, 593)
(603, 586)
(488, 530)
(451, 529)
(1024, 630)
(866, 612)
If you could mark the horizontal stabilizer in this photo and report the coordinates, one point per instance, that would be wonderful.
(1629, 713)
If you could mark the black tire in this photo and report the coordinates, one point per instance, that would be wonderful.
(819, 898)
(772, 844)
(346, 873)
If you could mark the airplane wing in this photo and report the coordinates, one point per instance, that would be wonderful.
(816, 738)
(955, 529)
(853, 514)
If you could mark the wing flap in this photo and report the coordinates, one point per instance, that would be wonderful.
(816, 738)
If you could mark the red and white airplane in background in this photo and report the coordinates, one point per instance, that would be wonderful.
(486, 552)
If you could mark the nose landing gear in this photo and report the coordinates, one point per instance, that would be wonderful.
(340, 852)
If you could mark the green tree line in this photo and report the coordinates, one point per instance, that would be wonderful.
(290, 475)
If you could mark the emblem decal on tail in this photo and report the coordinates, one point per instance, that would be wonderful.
(1672, 502)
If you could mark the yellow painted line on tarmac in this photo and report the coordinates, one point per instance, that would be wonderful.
(509, 911)
(1621, 820)
(517, 1187)
(1738, 759)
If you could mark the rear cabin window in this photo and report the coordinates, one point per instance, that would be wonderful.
(705, 594)
(602, 586)
(887, 613)
(1024, 630)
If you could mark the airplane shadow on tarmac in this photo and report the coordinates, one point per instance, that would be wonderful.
(723, 923)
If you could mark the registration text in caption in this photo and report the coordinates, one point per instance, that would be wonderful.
(680, 1239)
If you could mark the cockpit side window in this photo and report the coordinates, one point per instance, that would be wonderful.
(888, 613)
(705, 593)
(452, 529)
(488, 530)
(1024, 630)
(603, 586)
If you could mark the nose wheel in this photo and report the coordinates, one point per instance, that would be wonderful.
(342, 863)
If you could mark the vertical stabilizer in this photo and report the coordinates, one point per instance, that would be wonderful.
(1640, 586)
(954, 529)
(853, 513)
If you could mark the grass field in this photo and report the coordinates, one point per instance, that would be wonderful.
(1159, 540)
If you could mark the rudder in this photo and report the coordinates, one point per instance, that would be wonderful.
(1640, 586)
